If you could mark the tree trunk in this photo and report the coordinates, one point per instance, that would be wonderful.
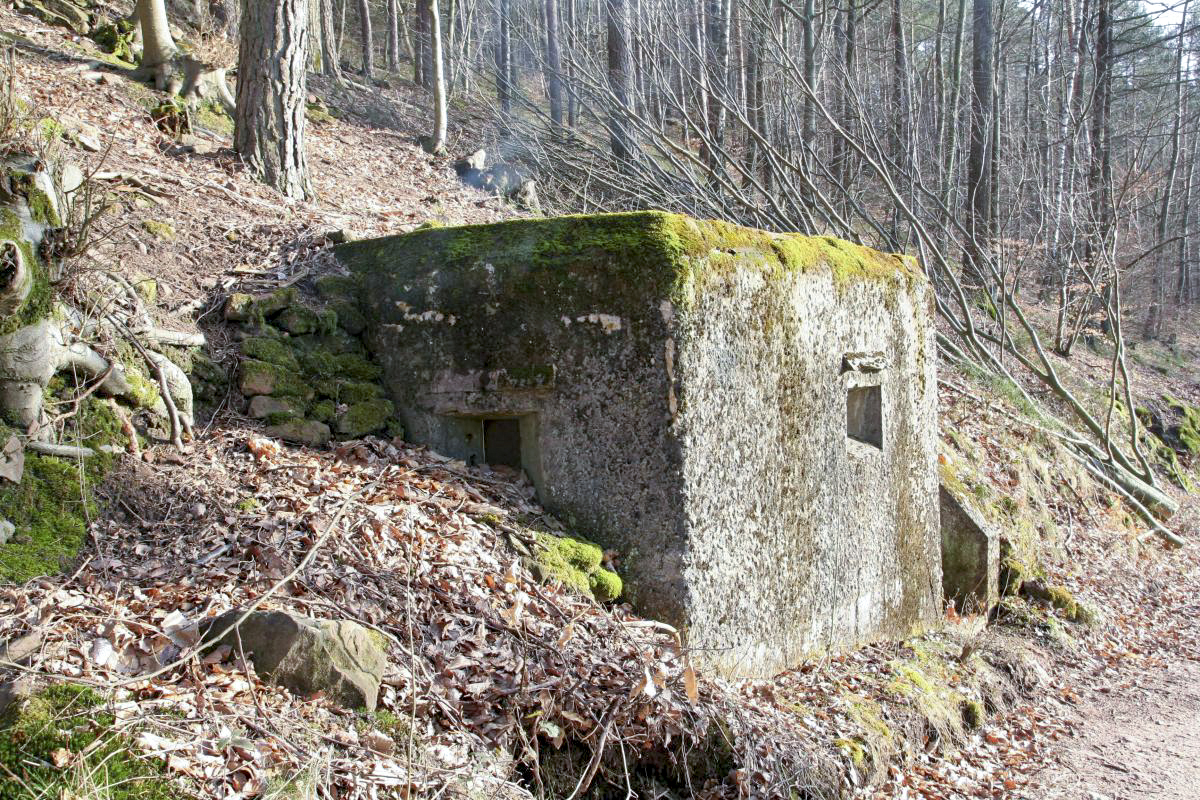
(979, 194)
(158, 48)
(393, 35)
(620, 78)
(368, 41)
(269, 124)
(554, 68)
(504, 57)
(330, 56)
(441, 120)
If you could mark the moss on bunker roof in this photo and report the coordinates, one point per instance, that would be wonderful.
(667, 254)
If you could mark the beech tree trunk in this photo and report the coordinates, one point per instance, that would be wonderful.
(504, 57)
(368, 47)
(393, 35)
(441, 119)
(979, 195)
(620, 78)
(158, 48)
(330, 56)
(269, 123)
(554, 68)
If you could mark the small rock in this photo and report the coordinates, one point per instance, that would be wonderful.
(301, 431)
(340, 658)
(526, 196)
(7, 529)
(199, 510)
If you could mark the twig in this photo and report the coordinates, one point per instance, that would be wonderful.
(585, 780)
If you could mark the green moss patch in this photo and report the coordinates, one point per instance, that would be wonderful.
(271, 350)
(40, 303)
(49, 508)
(68, 720)
(575, 564)
(363, 418)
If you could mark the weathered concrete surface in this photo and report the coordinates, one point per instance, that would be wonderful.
(970, 556)
(682, 391)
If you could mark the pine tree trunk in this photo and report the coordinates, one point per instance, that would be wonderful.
(269, 123)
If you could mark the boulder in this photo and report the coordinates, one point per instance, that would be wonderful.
(366, 417)
(301, 431)
(970, 556)
(260, 377)
(526, 196)
(339, 658)
(262, 406)
(476, 162)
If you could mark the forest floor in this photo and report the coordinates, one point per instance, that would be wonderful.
(1117, 712)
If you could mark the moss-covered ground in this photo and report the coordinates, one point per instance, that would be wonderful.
(60, 743)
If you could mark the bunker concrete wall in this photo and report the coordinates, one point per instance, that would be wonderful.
(686, 384)
(798, 536)
(557, 320)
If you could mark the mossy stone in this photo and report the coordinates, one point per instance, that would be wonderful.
(337, 287)
(299, 320)
(271, 350)
(574, 564)
(363, 418)
(350, 317)
(159, 229)
(239, 307)
(323, 411)
(259, 377)
(606, 585)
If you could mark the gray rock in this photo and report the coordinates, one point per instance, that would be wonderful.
(476, 162)
(339, 658)
(526, 196)
(263, 406)
(301, 431)
(7, 529)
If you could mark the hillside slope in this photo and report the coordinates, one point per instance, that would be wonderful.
(497, 684)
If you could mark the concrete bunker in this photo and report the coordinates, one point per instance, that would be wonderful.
(747, 419)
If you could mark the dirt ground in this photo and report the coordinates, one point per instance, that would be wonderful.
(1134, 739)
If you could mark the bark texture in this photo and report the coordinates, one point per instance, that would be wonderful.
(269, 124)
(158, 47)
